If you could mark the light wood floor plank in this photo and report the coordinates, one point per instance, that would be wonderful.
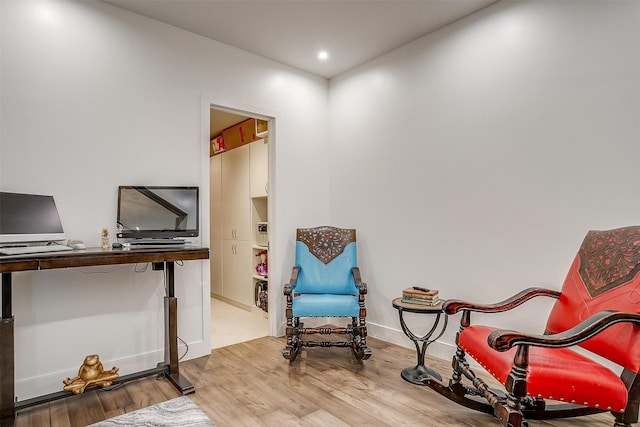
(282, 417)
(115, 402)
(322, 418)
(84, 409)
(59, 414)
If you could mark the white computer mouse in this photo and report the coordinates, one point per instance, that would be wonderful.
(79, 246)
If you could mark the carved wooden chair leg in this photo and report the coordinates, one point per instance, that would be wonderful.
(292, 348)
(359, 346)
(457, 363)
(360, 349)
(516, 385)
(631, 414)
(291, 351)
(459, 359)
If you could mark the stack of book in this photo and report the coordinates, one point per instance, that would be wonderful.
(422, 296)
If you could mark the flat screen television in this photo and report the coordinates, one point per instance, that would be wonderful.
(29, 218)
(158, 212)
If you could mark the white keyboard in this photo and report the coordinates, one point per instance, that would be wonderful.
(21, 250)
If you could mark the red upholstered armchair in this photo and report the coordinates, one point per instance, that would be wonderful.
(597, 309)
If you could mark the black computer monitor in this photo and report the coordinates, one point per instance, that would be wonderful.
(29, 218)
(163, 212)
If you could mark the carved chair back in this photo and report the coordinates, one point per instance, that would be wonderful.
(604, 276)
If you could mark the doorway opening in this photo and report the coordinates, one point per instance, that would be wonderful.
(239, 226)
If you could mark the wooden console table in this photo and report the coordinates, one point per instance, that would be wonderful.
(161, 257)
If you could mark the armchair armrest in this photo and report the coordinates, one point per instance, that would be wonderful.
(362, 287)
(454, 306)
(292, 281)
(503, 340)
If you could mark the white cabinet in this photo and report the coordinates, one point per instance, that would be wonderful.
(236, 271)
(259, 161)
(236, 212)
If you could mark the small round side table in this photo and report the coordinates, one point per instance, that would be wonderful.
(414, 374)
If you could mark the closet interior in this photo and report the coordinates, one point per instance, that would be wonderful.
(239, 243)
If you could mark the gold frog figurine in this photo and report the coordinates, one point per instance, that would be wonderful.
(91, 373)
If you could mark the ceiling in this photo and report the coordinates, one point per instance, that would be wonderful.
(220, 120)
(294, 31)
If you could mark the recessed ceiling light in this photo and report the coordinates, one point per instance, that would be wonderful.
(323, 55)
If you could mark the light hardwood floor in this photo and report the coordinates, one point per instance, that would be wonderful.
(250, 384)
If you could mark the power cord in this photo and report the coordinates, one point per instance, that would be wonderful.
(185, 351)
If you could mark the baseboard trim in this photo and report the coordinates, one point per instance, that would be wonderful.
(395, 336)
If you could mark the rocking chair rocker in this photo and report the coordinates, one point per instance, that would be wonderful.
(598, 309)
(325, 282)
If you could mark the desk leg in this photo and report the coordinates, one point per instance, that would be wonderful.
(414, 374)
(7, 375)
(171, 335)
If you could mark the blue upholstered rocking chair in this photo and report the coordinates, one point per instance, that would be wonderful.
(326, 282)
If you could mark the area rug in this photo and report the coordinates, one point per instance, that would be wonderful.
(180, 411)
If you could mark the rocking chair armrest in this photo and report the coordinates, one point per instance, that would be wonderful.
(292, 281)
(362, 286)
(454, 306)
(503, 340)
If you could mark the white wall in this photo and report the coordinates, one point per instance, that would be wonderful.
(103, 97)
(480, 155)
